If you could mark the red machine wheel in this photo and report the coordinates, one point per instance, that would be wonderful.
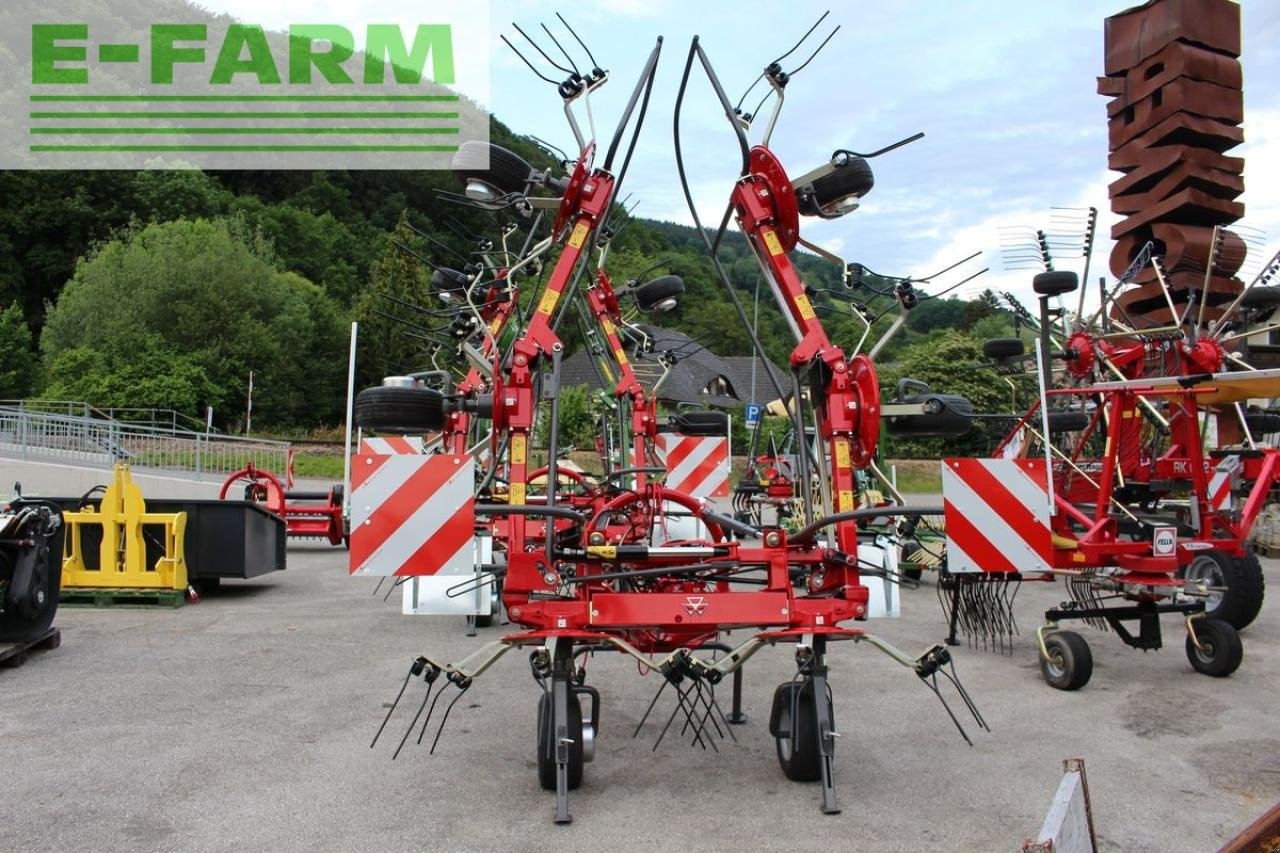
(866, 437)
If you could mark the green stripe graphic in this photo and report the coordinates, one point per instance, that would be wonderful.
(241, 148)
(247, 131)
(239, 115)
(86, 99)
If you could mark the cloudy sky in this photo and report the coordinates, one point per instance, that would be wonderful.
(1003, 89)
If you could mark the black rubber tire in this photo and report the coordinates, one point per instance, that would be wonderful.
(1262, 423)
(854, 178)
(649, 294)
(1220, 651)
(1002, 348)
(1067, 421)
(1055, 283)
(1070, 663)
(801, 761)
(508, 172)
(1261, 297)
(20, 625)
(701, 423)
(1241, 602)
(400, 411)
(953, 421)
(913, 574)
(453, 282)
(547, 765)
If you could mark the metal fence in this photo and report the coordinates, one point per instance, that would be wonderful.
(85, 435)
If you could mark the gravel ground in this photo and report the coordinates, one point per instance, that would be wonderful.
(243, 723)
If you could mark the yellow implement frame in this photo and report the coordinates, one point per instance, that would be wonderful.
(122, 556)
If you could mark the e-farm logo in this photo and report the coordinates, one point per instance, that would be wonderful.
(224, 94)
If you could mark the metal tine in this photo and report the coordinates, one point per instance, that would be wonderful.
(580, 42)
(680, 705)
(932, 683)
(381, 581)
(539, 49)
(556, 42)
(517, 52)
(430, 713)
(414, 721)
(691, 711)
(954, 678)
(649, 710)
(415, 668)
(461, 692)
(700, 727)
(816, 51)
(728, 728)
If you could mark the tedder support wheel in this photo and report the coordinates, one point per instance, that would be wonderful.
(1069, 663)
(1235, 584)
(400, 411)
(1220, 651)
(547, 750)
(800, 758)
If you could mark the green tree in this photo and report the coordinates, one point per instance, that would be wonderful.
(17, 360)
(208, 295)
(385, 349)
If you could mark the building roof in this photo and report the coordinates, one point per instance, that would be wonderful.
(698, 376)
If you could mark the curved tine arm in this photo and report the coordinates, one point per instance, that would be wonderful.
(807, 534)
(642, 88)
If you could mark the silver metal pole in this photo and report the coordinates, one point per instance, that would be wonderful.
(351, 401)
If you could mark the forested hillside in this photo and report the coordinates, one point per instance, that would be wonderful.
(165, 288)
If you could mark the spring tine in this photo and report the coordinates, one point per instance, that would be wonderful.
(728, 728)
(649, 710)
(414, 721)
(701, 726)
(379, 586)
(954, 678)
(394, 703)
(461, 692)
(690, 711)
(430, 712)
(932, 683)
(670, 720)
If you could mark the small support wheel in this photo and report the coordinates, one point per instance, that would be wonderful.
(799, 757)
(547, 749)
(1069, 663)
(1220, 651)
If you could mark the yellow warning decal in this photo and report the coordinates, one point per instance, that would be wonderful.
(607, 325)
(548, 303)
(495, 325)
(845, 501)
(579, 235)
(518, 445)
(842, 455)
(603, 552)
(1127, 413)
(803, 306)
(620, 355)
(515, 497)
(771, 241)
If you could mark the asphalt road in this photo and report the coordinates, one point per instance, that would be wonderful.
(243, 723)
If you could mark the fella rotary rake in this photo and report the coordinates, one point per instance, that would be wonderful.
(1108, 484)
(630, 564)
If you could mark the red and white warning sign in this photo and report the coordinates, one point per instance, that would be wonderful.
(1223, 482)
(696, 465)
(997, 513)
(412, 514)
(391, 445)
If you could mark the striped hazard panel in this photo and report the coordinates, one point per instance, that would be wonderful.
(412, 514)
(997, 514)
(696, 465)
(393, 444)
(1222, 483)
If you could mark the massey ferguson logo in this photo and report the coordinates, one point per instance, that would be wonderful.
(1165, 542)
(695, 605)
